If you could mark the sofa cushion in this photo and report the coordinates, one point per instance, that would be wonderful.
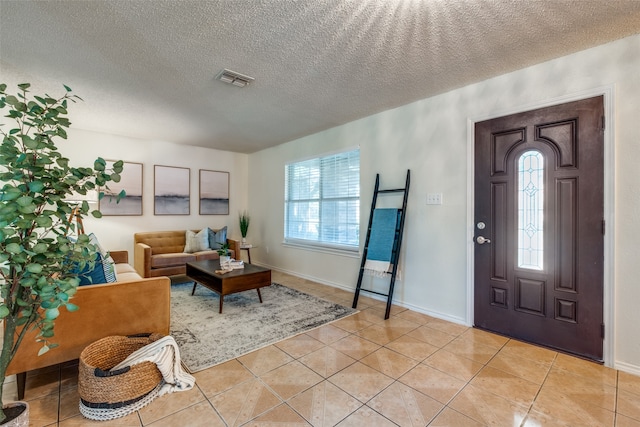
(196, 242)
(128, 276)
(204, 255)
(217, 237)
(170, 260)
(122, 268)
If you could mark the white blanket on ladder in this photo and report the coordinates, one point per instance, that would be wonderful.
(166, 355)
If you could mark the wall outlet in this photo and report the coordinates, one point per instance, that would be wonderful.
(434, 198)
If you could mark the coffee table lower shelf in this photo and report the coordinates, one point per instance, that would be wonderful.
(247, 278)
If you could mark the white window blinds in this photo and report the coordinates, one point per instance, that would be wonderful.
(322, 201)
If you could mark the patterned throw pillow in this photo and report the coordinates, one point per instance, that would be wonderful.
(104, 271)
(196, 242)
(109, 268)
(94, 241)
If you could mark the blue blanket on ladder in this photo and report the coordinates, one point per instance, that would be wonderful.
(381, 239)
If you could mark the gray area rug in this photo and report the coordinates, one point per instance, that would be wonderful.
(207, 338)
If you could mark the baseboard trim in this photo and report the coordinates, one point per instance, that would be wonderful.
(435, 314)
(627, 367)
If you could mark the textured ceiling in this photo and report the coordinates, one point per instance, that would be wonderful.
(146, 68)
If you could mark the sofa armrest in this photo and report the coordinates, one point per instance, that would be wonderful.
(234, 245)
(142, 259)
(119, 308)
(120, 257)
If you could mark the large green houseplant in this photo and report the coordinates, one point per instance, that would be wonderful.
(38, 259)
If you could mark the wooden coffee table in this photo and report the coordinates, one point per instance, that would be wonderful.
(244, 279)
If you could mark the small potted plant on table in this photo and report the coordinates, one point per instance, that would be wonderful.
(244, 226)
(225, 257)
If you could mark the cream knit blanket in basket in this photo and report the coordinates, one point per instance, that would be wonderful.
(166, 355)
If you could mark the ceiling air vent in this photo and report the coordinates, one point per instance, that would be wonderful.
(234, 78)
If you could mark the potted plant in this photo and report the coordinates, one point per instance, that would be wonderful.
(244, 226)
(38, 260)
(224, 253)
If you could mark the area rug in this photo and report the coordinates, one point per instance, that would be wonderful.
(207, 338)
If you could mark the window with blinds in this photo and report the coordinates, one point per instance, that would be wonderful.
(322, 201)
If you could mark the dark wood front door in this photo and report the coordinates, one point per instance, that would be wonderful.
(539, 209)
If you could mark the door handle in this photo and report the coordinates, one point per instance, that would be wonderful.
(481, 240)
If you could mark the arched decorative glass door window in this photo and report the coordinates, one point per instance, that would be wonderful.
(531, 210)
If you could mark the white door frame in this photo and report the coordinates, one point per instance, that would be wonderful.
(609, 203)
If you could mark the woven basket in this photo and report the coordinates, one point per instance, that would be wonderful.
(100, 388)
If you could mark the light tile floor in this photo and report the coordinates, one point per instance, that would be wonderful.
(410, 370)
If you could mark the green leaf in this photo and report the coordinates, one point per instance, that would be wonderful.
(72, 307)
(100, 164)
(51, 313)
(67, 88)
(24, 201)
(34, 268)
(29, 142)
(10, 193)
(44, 221)
(48, 333)
(4, 311)
(13, 248)
(96, 214)
(40, 248)
(23, 86)
(36, 186)
(22, 303)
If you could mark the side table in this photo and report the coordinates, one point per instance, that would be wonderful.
(247, 247)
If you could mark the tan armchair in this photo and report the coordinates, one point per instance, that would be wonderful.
(132, 305)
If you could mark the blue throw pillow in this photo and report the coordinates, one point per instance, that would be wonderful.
(217, 237)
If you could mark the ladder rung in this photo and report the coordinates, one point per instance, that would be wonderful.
(386, 272)
(395, 190)
(374, 292)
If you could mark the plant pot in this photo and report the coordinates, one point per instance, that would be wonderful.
(244, 241)
(17, 414)
(224, 262)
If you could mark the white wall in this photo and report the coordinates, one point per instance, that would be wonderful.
(116, 232)
(430, 138)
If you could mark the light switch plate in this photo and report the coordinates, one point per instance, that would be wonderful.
(434, 198)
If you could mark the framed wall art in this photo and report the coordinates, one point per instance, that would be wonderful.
(171, 190)
(214, 192)
(131, 183)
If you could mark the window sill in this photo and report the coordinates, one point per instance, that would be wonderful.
(323, 249)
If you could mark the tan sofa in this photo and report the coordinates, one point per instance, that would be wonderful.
(130, 306)
(161, 253)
